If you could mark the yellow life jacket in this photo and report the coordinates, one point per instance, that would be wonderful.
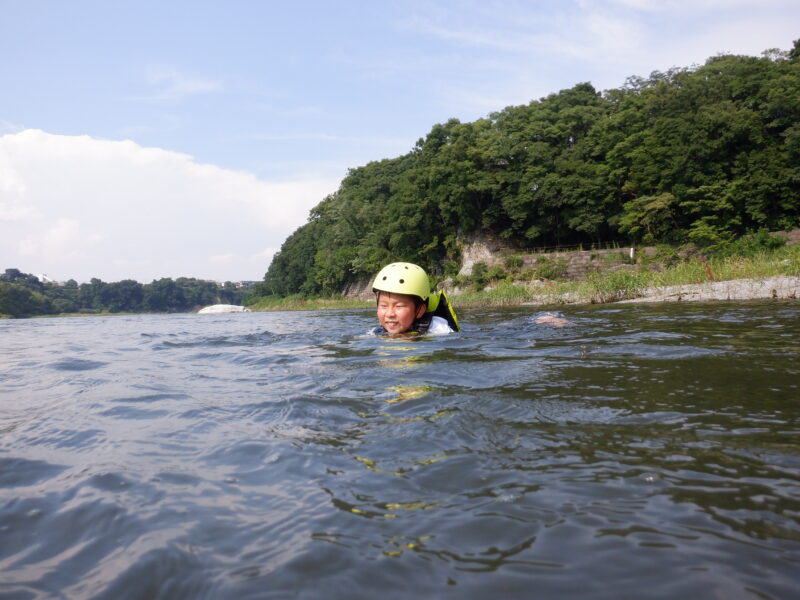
(439, 306)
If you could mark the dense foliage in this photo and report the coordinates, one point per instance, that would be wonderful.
(700, 155)
(22, 294)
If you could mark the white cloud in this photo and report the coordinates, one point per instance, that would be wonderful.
(223, 259)
(63, 240)
(602, 41)
(612, 35)
(169, 84)
(264, 255)
(325, 137)
(12, 192)
(644, 5)
(78, 207)
(255, 261)
(8, 127)
(689, 7)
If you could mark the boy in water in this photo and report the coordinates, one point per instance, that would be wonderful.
(406, 305)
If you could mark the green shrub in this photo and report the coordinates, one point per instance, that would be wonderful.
(665, 256)
(549, 268)
(617, 256)
(480, 274)
(495, 273)
(459, 281)
(451, 268)
(504, 294)
(513, 263)
(617, 285)
(751, 244)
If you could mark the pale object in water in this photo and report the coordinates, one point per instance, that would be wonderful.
(554, 319)
(216, 309)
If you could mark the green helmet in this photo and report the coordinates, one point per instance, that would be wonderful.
(403, 278)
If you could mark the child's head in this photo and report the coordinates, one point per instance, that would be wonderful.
(401, 291)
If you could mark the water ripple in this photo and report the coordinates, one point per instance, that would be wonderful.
(274, 455)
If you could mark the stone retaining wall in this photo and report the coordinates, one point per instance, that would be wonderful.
(581, 262)
(578, 263)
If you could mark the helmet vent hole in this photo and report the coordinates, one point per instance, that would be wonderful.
(384, 278)
(402, 281)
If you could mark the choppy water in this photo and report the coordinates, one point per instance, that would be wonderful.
(638, 452)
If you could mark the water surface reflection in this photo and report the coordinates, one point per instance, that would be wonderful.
(632, 452)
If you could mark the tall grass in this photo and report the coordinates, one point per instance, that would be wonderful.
(503, 294)
(297, 302)
(764, 263)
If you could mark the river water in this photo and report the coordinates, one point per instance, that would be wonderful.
(636, 452)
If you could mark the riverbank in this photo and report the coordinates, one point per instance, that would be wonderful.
(760, 276)
(766, 288)
(773, 288)
(751, 275)
(763, 288)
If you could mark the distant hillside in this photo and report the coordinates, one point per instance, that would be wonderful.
(699, 155)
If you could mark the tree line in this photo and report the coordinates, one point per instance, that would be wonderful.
(702, 154)
(23, 294)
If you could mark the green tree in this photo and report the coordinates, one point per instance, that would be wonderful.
(19, 301)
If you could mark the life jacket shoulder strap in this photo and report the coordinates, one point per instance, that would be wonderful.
(439, 306)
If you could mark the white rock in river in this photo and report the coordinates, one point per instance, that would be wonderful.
(222, 308)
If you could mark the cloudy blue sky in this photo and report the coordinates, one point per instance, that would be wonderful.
(145, 139)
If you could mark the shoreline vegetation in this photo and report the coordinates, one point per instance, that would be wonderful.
(754, 274)
(767, 274)
(25, 295)
(759, 266)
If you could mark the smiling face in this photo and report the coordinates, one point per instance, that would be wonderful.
(397, 312)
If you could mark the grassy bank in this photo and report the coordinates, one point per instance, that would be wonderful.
(621, 283)
(297, 302)
(632, 281)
